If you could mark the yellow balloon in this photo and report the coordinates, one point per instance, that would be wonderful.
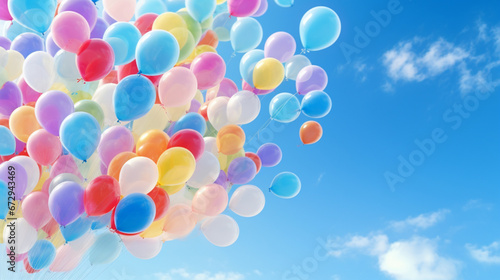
(220, 2)
(2, 226)
(156, 118)
(57, 239)
(175, 113)
(173, 189)
(168, 21)
(199, 50)
(79, 96)
(43, 177)
(268, 74)
(181, 34)
(23, 123)
(11, 65)
(175, 166)
(60, 87)
(199, 97)
(155, 229)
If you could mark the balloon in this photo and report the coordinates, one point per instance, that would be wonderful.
(32, 170)
(256, 160)
(12, 66)
(101, 195)
(241, 170)
(42, 254)
(10, 98)
(134, 97)
(316, 104)
(95, 59)
(76, 229)
(27, 43)
(51, 46)
(226, 88)
(65, 164)
(4, 11)
(52, 108)
(243, 8)
(222, 26)
(192, 25)
(44, 147)
(206, 171)
(145, 7)
(230, 139)
(27, 266)
(85, 8)
(70, 30)
(246, 34)
(175, 166)
(119, 10)
(115, 166)
(104, 97)
(222, 230)
(14, 174)
(209, 38)
(106, 248)
(284, 3)
(145, 22)
(311, 78)
(100, 221)
(284, 108)
(161, 201)
(217, 112)
(80, 134)
(268, 74)
(38, 71)
(247, 201)
(143, 248)
(280, 45)
(179, 221)
(243, 107)
(200, 10)
(123, 38)
(177, 87)
(29, 94)
(319, 28)
(66, 202)
(157, 52)
(26, 11)
(24, 234)
(190, 140)
(168, 21)
(269, 154)
(209, 69)
(91, 107)
(138, 175)
(210, 200)
(100, 27)
(8, 144)
(310, 132)
(65, 65)
(5, 42)
(285, 185)
(193, 121)
(152, 144)
(262, 9)
(248, 63)
(134, 213)
(35, 209)
(23, 123)
(294, 65)
(63, 177)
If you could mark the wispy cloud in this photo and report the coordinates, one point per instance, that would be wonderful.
(181, 273)
(487, 254)
(422, 221)
(477, 204)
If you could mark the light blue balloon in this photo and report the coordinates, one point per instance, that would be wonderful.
(221, 8)
(80, 134)
(8, 143)
(246, 34)
(106, 248)
(42, 254)
(157, 52)
(286, 185)
(192, 121)
(33, 14)
(76, 229)
(247, 64)
(316, 104)
(15, 29)
(284, 107)
(222, 25)
(294, 65)
(134, 97)
(175, 5)
(319, 28)
(284, 3)
(100, 221)
(123, 38)
(149, 7)
(201, 10)
(4, 199)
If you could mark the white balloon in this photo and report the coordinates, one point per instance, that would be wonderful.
(247, 201)
(23, 233)
(142, 248)
(38, 70)
(211, 145)
(138, 175)
(217, 112)
(294, 65)
(65, 65)
(243, 107)
(206, 172)
(104, 96)
(221, 230)
(32, 170)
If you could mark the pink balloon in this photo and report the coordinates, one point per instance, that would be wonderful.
(70, 30)
(119, 10)
(209, 69)
(65, 164)
(226, 88)
(35, 208)
(115, 140)
(44, 147)
(210, 200)
(4, 10)
(243, 8)
(177, 87)
(66, 259)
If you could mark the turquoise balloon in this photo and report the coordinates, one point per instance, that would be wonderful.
(123, 38)
(284, 3)
(150, 7)
(246, 34)
(4, 199)
(76, 229)
(41, 255)
(36, 15)
(284, 107)
(175, 5)
(8, 143)
(106, 248)
(192, 121)
(247, 64)
(285, 185)
(134, 213)
(80, 134)
(316, 104)
(319, 28)
(133, 97)
(157, 52)
(16, 29)
(201, 10)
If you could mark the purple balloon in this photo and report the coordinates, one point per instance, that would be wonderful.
(269, 154)
(19, 177)
(85, 8)
(65, 164)
(281, 46)
(52, 108)
(115, 140)
(104, 168)
(20, 146)
(241, 170)
(170, 129)
(222, 180)
(5, 43)
(195, 106)
(262, 9)
(51, 46)
(108, 18)
(66, 202)
(27, 43)
(10, 98)
(311, 78)
(100, 27)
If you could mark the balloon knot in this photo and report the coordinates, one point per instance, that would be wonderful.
(118, 122)
(304, 51)
(139, 73)
(84, 161)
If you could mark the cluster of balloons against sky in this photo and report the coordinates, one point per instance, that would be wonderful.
(122, 128)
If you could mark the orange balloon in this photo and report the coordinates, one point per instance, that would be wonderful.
(310, 132)
(115, 166)
(152, 144)
(210, 39)
(23, 123)
(230, 139)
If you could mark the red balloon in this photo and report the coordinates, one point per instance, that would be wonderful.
(255, 158)
(51, 227)
(28, 267)
(203, 111)
(101, 195)
(189, 139)
(95, 59)
(111, 78)
(161, 200)
(131, 69)
(145, 23)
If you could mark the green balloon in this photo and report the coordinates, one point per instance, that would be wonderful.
(91, 107)
(187, 49)
(193, 26)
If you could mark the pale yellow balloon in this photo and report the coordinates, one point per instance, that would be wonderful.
(79, 96)
(181, 34)
(41, 235)
(155, 229)
(225, 160)
(11, 65)
(175, 113)
(168, 21)
(156, 118)
(268, 74)
(43, 177)
(220, 2)
(199, 50)
(60, 87)
(199, 97)
(173, 189)
(2, 227)
(57, 239)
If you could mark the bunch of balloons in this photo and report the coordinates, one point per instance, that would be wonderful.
(118, 125)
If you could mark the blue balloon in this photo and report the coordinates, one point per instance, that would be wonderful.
(192, 121)
(76, 229)
(16, 29)
(42, 254)
(247, 65)
(246, 34)
(4, 199)
(284, 3)
(175, 5)
(222, 25)
(285, 185)
(316, 104)
(80, 134)
(284, 107)
(27, 43)
(106, 248)
(201, 10)
(319, 28)
(33, 14)
(100, 221)
(157, 52)
(149, 7)
(8, 143)
(123, 38)
(134, 97)
(134, 213)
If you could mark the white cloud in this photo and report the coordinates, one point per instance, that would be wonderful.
(422, 221)
(477, 204)
(486, 254)
(181, 273)
(372, 245)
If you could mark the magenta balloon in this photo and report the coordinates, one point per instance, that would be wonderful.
(10, 98)
(29, 94)
(243, 8)
(241, 170)
(115, 140)
(311, 78)
(20, 146)
(85, 8)
(52, 108)
(18, 175)
(209, 69)
(65, 164)
(262, 9)
(44, 147)
(4, 10)
(66, 202)
(36, 209)
(281, 46)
